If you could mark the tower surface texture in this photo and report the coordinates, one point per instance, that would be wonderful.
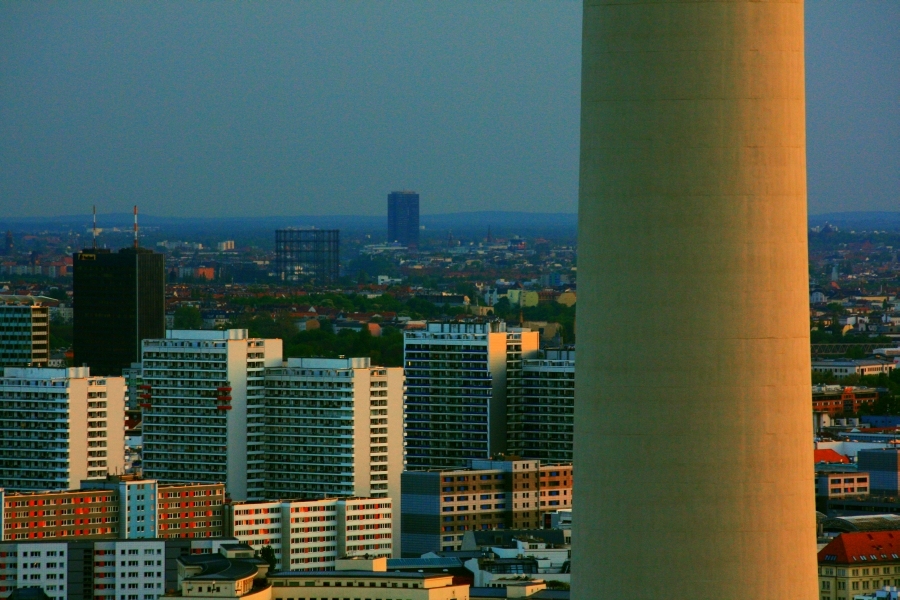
(693, 436)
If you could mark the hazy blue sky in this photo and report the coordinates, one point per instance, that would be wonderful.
(323, 107)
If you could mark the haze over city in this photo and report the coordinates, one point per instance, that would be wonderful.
(322, 108)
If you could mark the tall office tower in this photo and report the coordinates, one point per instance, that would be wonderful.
(310, 535)
(457, 375)
(308, 255)
(119, 300)
(202, 406)
(540, 418)
(403, 218)
(334, 427)
(58, 427)
(693, 465)
(24, 332)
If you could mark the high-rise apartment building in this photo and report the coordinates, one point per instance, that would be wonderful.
(403, 218)
(334, 427)
(119, 301)
(203, 399)
(24, 332)
(58, 427)
(440, 506)
(458, 375)
(328, 424)
(540, 419)
(310, 535)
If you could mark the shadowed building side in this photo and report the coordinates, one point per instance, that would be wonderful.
(692, 464)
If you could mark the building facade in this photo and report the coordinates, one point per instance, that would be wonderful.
(403, 218)
(458, 378)
(842, 484)
(119, 301)
(203, 408)
(59, 427)
(837, 399)
(540, 418)
(883, 466)
(859, 562)
(439, 507)
(24, 332)
(119, 507)
(334, 427)
(328, 422)
(308, 254)
(310, 535)
(847, 367)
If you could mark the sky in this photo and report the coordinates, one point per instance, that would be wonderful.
(245, 109)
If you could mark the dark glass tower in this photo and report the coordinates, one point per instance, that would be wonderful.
(403, 218)
(119, 301)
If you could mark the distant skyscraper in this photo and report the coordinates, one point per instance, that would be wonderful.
(403, 218)
(119, 301)
(304, 254)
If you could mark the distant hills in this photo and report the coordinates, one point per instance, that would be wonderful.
(502, 223)
(859, 220)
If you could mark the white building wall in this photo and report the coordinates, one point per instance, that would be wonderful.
(41, 565)
(129, 570)
(83, 415)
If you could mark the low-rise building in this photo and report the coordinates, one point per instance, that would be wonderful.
(846, 367)
(838, 399)
(841, 485)
(119, 507)
(859, 562)
(310, 535)
(441, 506)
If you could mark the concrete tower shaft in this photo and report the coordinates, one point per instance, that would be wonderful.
(693, 453)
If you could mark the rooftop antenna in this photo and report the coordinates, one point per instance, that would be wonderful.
(95, 227)
(135, 227)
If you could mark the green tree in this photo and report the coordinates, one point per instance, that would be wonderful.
(268, 554)
(188, 317)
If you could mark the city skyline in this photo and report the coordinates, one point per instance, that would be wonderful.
(266, 110)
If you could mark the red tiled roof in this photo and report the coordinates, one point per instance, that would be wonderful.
(829, 456)
(861, 548)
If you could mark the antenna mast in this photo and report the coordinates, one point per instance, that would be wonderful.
(135, 227)
(95, 227)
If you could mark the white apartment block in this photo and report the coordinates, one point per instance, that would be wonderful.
(129, 570)
(203, 407)
(458, 377)
(310, 535)
(41, 564)
(334, 427)
(845, 367)
(59, 427)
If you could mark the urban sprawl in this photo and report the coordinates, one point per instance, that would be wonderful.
(228, 418)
